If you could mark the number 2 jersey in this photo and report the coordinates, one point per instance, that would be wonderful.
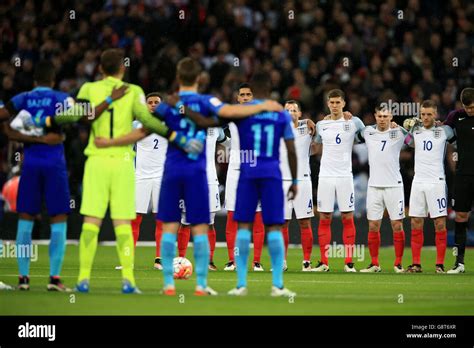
(150, 155)
(337, 137)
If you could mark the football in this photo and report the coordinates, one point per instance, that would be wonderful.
(182, 268)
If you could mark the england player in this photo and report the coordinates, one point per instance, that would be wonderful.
(335, 177)
(215, 135)
(44, 175)
(428, 191)
(186, 178)
(262, 181)
(462, 122)
(385, 188)
(244, 95)
(109, 178)
(303, 202)
(150, 157)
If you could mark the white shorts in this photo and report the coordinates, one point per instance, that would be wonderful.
(428, 198)
(379, 198)
(332, 189)
(214, 204)
(147, 195)
(231, 184)
(303, 202)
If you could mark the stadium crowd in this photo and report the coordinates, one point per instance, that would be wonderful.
(405, 51)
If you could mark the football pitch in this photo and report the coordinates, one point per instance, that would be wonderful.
(333, 293)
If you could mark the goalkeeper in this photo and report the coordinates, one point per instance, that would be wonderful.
(109, 178)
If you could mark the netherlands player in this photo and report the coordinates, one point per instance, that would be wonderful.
(215, 135)
(385, 188)
(428, 191)
(244, 96)
(262, 181)
(44, 175)
(462, 121)
(303, 202)
(185, 178)
(150, 157)
(335, 177)
(109, 178)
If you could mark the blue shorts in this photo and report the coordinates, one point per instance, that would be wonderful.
(269, 191)
(189, 185)
(43, 178)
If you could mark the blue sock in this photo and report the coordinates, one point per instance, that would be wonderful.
(168, 246)
(23, 245)
(57, 247)
(201, 258)
(276, 250)
(242, 243)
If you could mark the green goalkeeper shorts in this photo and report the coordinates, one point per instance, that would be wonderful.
(109, 180)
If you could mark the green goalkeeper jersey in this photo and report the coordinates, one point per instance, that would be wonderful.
(117, 120)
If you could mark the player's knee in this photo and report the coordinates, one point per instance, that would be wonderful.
(462, 216)
(304, 223)
(440, 224)
(347, 215)
(325, 216)
(397, 226)
(416, 223)
(374, 225)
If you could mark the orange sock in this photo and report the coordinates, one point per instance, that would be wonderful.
(258, 237)
(307, 242)
(399, 245)
(158, 234)
(211, 235)
(348, 237)
(136, 228)
(374, 246)
(184, 234)
(440, 246)
(230, 234)
(416, 245)
(324, 236)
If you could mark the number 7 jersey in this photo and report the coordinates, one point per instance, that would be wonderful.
(337, 137)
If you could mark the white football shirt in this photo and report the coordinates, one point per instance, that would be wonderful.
(303, 141)
(234, 158)
(430, 149)
(337, 137)
(150, 155)
(384, 155)
(213, 135)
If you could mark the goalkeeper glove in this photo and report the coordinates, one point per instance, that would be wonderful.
(189, 145)
(411, 123)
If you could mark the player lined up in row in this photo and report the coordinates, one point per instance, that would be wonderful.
(181, 186)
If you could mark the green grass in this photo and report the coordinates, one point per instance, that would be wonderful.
(333, 293)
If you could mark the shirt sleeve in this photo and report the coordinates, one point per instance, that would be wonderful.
(221, 136)
(451, 119)
(359, 124)
(449, 134)
(83, 93)
(317, 137)
(215, 104)
(288, 130)
(17, 103)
